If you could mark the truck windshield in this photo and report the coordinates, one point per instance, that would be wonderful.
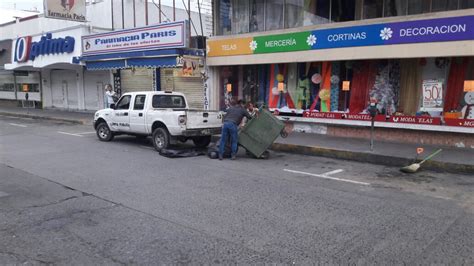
(168, 101)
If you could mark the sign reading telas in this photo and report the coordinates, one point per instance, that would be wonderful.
(167, 35)
(26, 50)
(65, 9)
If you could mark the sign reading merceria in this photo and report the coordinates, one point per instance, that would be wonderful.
(281, 43)
(66, 9)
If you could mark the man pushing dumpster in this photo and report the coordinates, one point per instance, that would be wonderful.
(232, 120)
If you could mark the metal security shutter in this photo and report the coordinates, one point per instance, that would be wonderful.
(191, 87)
(139, 79)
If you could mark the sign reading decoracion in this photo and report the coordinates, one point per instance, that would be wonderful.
(417, 31)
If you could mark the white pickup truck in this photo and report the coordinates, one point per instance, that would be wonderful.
(163, 115)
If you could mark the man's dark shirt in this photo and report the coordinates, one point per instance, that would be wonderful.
(235, 114)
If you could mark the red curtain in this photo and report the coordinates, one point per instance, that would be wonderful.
(455, 87)
(362, 81)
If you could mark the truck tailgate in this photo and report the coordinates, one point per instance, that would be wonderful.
(197, 119)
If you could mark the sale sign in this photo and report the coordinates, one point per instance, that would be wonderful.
(432, 95)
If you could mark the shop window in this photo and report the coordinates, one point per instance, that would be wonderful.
(443, 5)
(372, 9)
(394, 8)
(240, 16)
(463, 4)
(7, 87)
(27, 87)
(257, 12)
(274, 14)
(343, 10)
(229, 85)
(225, 17)
(418, 6)
(306, 12)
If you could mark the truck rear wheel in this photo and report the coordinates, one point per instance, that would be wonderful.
(161, 138)
(202, 142)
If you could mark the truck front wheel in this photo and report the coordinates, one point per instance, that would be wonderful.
(103, 132)
(161, 138)
(202, 142)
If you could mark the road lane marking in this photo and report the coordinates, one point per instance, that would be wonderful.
(333, 172)
(70, 134)
(325, 176)
(17, 125)
(84, 133)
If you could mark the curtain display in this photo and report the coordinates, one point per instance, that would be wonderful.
(362, 82)
(399, 86)
(410, 86)
(454, 90)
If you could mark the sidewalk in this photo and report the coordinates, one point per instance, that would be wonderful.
(83, 117)
(385, 153)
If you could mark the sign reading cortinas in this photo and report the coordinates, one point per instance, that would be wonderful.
(161, 36)
(65, 9)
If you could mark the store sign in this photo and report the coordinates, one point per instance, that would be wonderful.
(459, 122)
(423, 120)
(65, 9)
(418, 31)
(432, 95)
(280, 43)
(168, 35)
(22, 49)
(26, 50)
(237, 46)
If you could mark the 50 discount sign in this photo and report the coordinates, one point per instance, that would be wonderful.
(432, 95)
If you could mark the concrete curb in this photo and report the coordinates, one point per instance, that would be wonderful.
(372, 158)
(41, 117)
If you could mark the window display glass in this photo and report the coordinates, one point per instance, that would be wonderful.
(274, 14)
(257, 13)
(394, 8)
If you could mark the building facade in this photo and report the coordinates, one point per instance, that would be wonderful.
(74, 81)
(321, 63)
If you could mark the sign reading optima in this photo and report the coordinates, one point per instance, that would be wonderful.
(65, 9)
(25, 49)
(168, 35)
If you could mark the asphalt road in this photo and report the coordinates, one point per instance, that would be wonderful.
(67, 198)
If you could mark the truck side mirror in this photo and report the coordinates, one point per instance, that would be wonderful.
(112, 105)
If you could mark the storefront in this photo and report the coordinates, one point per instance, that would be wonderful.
(155, 57)
(46, 67)
(420, 74)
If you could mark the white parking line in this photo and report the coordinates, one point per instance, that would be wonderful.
(333, 172)
(70, 134)
(325, 176)
(17, 125)
(84, 133)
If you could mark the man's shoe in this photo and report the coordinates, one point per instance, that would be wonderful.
(220, 157)
(233, 157)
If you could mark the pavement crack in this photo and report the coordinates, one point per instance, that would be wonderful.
(52, 203)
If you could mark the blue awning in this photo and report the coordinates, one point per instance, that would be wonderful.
(152, 62)
(106, 65)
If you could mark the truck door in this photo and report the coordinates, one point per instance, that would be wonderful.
(121, 116)
(137, 115)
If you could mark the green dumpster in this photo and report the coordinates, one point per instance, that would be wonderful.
(260, 132)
